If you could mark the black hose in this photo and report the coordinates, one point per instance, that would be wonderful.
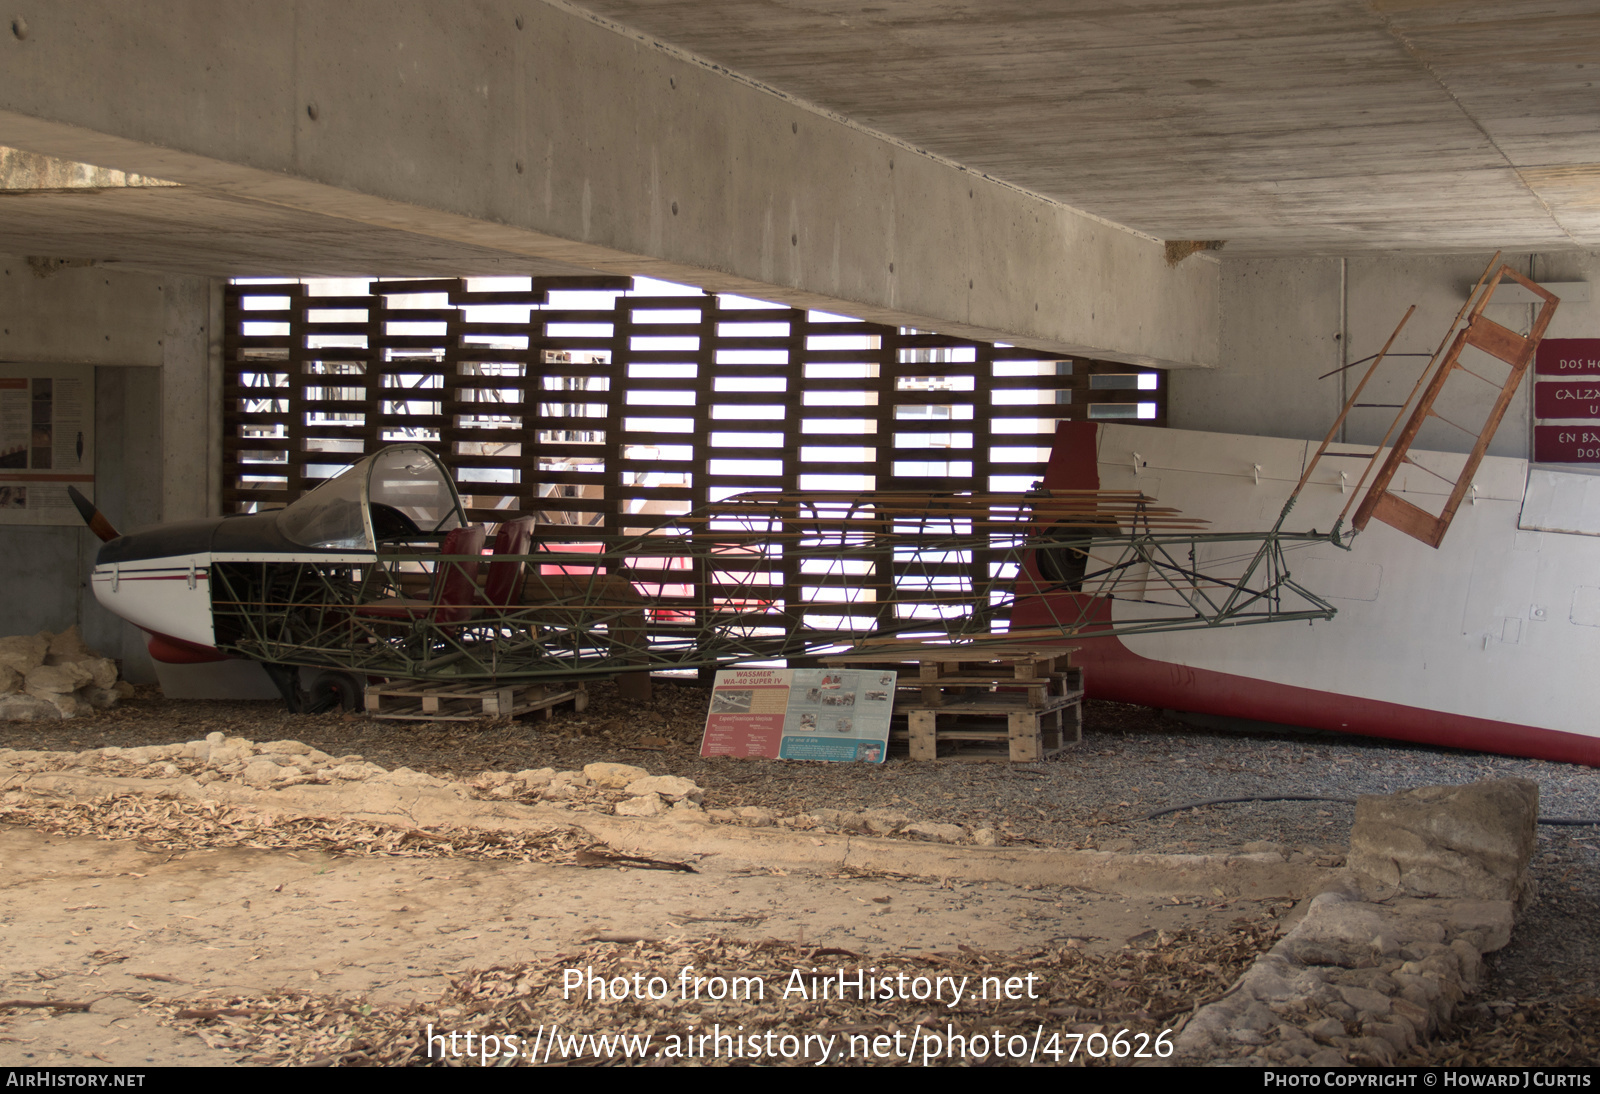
(1567, 822)
(1234, 801)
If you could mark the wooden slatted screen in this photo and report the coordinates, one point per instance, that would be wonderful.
(592, 403)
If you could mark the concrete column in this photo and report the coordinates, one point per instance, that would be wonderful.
(191, 398)
(155, 345)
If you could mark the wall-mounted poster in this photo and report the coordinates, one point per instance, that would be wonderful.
(46, 442)
(1573, 399)
(800, 714)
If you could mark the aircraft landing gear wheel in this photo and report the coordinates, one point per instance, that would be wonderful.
(332, 690)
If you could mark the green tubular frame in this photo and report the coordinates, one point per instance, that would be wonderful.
(722, 587)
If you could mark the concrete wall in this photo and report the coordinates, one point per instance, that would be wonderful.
(1286, 322)
(155, 342)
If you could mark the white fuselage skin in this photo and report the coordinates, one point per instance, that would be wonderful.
(1501, 622)
(172, 596)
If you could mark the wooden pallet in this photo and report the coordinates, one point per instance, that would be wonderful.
(408, 700)
(973, 729)
(983, 701)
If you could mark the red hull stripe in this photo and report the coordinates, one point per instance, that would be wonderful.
(1112, 671)
(175, 651)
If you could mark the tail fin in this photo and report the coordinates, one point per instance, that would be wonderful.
(95, 519)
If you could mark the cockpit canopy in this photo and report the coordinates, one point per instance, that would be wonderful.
(400, 493)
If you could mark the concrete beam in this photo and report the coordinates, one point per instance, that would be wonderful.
(538, 131)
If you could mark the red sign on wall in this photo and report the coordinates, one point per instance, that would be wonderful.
(1568, 357)
(1554, 399)
(1566, 444)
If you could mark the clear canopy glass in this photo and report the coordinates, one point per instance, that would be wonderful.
(399, 493)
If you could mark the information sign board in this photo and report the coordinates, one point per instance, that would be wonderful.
(800, 714)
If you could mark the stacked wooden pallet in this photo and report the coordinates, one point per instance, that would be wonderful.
(981, 700)
(411, 700)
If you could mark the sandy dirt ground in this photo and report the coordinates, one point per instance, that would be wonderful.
(128, 929)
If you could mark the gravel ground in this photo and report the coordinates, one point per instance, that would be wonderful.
(1133, 761)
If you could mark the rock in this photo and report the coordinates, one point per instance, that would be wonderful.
(354, 772)
(68, 703)
(1471, 963)
(687, 812)
(103, 671)
(70, 646)
(489, 780)
(286, 748)
(46, 680)
(534, 778)
(1365, 999)
(984, 837)
(10, 680)
(1471, 841)
(1326, 1029)
(1373, 1048)
(939, 833)
(754, 816)
(262, 773)
(613, 776)
(23, 653)
(672, 788)
(101, 698)
(645, 805)
(1417, 1017)
(883, 822)
(27, 708)
(1400, 1037)
(405, 776)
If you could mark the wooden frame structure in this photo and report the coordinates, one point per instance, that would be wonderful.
(1508, 354)
(607, 411)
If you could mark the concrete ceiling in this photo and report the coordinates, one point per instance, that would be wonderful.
(1284, 127)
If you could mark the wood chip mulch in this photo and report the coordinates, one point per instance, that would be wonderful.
(1143, 989)
(171, 824)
